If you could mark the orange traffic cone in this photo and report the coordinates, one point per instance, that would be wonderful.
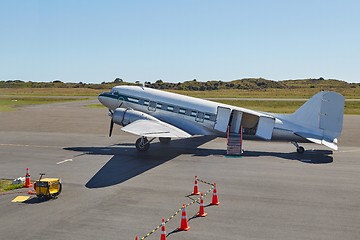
(215, 199)
(196, 187)
(163, 231)
(184, 223)
(136, 238)
(27, 179)
(201, 212)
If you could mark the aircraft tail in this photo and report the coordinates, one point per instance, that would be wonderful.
(322, 116)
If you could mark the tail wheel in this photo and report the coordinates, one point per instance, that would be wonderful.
(300, 150)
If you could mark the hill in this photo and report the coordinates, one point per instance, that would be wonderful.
(193, 85)
(252, 87)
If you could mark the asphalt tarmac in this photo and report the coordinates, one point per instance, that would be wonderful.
(111, 191)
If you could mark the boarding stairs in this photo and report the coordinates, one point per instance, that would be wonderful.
(234, 143)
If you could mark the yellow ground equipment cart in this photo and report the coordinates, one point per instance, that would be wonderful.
(47, 187)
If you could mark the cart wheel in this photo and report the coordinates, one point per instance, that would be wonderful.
(59, 191)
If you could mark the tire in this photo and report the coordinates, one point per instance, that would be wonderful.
(300, 150)
(164, 140)
(142, 147)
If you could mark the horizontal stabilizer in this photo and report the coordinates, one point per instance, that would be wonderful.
(151, 128)
(319, 140)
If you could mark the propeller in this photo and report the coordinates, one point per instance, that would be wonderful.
(111, 122)
(111, 127)
(111, 113)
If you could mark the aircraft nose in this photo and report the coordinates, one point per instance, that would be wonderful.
(102, 99)
(108, 101)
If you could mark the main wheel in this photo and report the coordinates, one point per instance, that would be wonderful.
(142, 144)
(164, 140)
(300, 150)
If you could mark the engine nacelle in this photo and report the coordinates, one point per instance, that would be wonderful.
(125, 116)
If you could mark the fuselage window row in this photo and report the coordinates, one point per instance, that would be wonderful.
(199, 116)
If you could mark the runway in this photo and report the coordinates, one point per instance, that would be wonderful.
(111, 191)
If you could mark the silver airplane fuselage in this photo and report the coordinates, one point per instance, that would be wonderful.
(193, 115)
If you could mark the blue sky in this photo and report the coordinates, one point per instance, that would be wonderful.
(94, 41)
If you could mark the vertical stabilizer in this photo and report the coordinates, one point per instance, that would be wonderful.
(322, 114)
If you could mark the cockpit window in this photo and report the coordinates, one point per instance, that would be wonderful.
(114, 92)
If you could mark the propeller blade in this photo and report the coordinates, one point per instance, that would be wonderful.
(111, 127)
(111, 113)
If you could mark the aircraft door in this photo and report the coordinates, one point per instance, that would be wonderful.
(265, 128)
(222, 119)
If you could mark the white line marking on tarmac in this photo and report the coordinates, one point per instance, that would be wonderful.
(346, 151)
(66, 160)
(25, 145)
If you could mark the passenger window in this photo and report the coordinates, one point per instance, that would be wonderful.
(152, 106)
(134, 100)
(200, 117)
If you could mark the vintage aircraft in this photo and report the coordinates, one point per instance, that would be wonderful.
(151, 113)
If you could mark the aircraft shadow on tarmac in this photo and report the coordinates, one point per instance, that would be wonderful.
(310, 156)
(127, 162)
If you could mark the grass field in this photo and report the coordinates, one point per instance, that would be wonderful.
(50, 91)
(6, 185)
(11, 103)
(268, 93)
(11, 98)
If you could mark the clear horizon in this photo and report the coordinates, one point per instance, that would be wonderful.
(176, 41)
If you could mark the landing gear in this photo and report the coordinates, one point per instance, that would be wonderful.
(142, 144)
(299, 149)
(164, 140)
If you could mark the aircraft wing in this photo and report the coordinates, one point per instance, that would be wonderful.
(154, 128)
(319, 140)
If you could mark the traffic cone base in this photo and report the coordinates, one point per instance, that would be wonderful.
(201, 214)
(184, 229)
(195, 192)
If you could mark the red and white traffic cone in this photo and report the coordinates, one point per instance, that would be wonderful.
(201, 212)
(163, 231)
(27, 179)
(215, 199)
(196, 187)
(184, 223)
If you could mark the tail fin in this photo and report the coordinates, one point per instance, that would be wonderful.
(322, 114)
